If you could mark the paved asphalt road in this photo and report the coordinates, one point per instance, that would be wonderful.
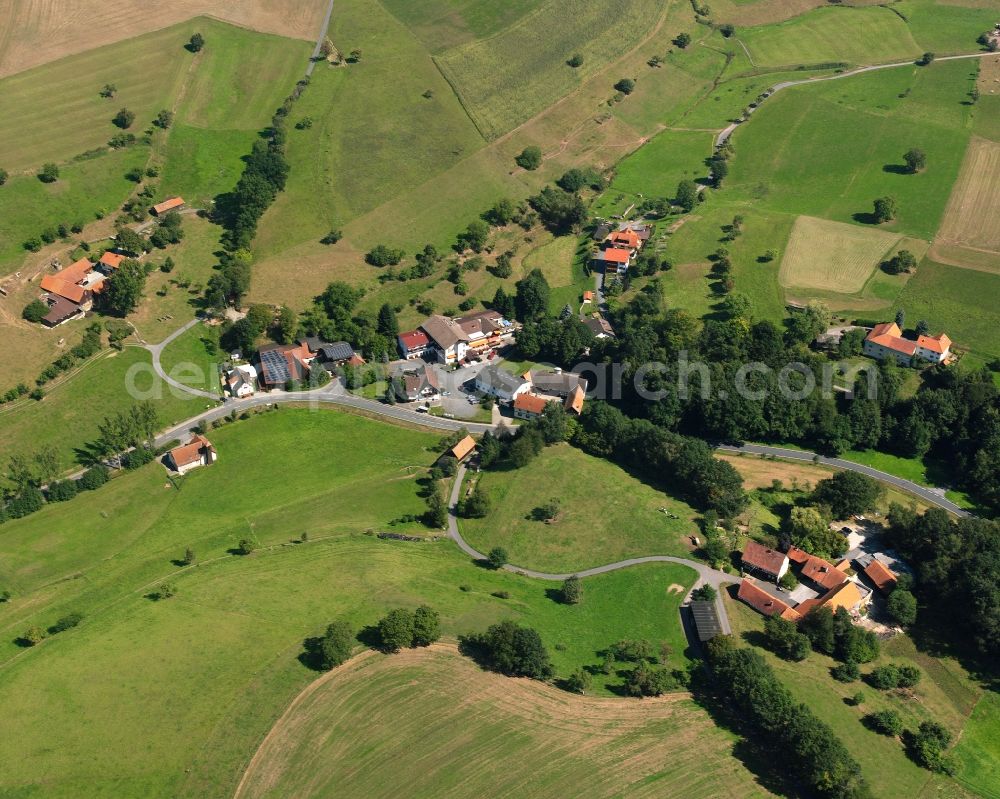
(319, 39)
(335, 394)
(705, 575)
(931, 495)
(777, 87)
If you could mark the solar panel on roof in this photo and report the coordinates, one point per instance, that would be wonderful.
(275, 366)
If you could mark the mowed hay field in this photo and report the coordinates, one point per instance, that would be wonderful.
(505, 80)
(39, 31)
(832, 256)
(172, 698)
(973, 211)
(854, 35)
(449, 729)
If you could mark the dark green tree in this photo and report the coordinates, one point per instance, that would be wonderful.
(497, 557)
(529, 158)
(124, 118)
(885, 209)
(572, 590)
(426, 626)
(335, 645)
(35, 311)
(687, 195)
(395, 630)
(387, 323)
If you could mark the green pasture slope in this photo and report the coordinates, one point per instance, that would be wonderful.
(853, 35)
(506, 79)
(830, 149)
(374, 134)
(54, 113)
(69, 414)
(193, 358)
(605, 514)
(170, 698)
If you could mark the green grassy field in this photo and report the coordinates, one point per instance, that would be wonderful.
(943, 27)
(605, 514)
(978, 751)
(171, 298)
(833, 256)
(84, 188)
(853, 35)
(68, 416)
(444, 723)
(237, 624)
(373, 134)
(221, 97)
(958, 301)
(505, 80)
(689, 285)
(829, 150)
(54, 112)
(655, 169)
(945, 694)
(193, 358)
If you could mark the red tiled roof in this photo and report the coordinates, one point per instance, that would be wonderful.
(191, 452)
(112, 259)
(414, 339)
(529, 403)
(760, 600)
(463, 447)
(574, 402)
(64, 283)
(823, 573)
(615, 255)
(168, 205)
(884, 579)
(889, 335)
(796, 555)
(939, 344)
(762, 557)
(628, 237)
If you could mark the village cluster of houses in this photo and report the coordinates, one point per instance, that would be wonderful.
(452, 341)
(69, 293)
(821, 584)
(278, 364)
(529, 394)
(618, 247)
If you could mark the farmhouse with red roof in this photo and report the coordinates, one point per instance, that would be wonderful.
(886, 341)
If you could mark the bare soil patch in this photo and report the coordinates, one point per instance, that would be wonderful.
(974, 206)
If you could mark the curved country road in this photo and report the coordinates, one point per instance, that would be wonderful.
(706, 575)
(336, 394)
(724, 135)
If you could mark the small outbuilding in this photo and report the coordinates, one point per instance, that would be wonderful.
(170, 204)
(463, 448)
(197, 452)
(706, 619)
